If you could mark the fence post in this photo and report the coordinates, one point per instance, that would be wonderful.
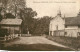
(10, 37)
(13, 36)
(5, 38)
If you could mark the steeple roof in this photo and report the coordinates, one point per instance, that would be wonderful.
(78, 14)
(59, 13)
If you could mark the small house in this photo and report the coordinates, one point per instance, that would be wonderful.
(12, 27)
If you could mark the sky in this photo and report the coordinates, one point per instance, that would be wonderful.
(69, 8)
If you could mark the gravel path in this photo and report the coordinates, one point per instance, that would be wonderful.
(35, 40)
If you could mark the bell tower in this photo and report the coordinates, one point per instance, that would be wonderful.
(59, 13)
(78, 13)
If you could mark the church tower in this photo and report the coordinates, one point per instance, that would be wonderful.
(78, 14)
(59, 13)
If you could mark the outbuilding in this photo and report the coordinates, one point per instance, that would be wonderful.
(11, 27)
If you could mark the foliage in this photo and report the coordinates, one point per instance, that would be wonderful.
(36, 26)
(0, 17)
(3, 32)
(27, 15)
(13, 6)
(9, 15)
(0, 13)
(42, 25)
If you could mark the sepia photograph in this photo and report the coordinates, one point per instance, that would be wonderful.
(39, 25)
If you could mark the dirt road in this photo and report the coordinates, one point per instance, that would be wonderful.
(35, 40)
(34, 43)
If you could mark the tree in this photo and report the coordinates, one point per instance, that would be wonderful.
(27, 16)
(42, 25)
(13, 6)
(9, 15)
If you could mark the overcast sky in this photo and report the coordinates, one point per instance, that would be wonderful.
(51, 7)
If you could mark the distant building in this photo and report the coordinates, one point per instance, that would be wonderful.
(61, 26)
(13, 26)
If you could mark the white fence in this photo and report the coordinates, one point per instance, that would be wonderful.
(9, 37)
(25, 35)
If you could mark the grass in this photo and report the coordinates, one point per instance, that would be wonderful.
(2, 43)
(35, 47)
(68, 41)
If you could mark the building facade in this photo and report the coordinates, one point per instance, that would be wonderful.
(65, 26)
(13, 26)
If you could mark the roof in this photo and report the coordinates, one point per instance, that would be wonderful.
(70, 28)
(72, 21)
(11, 22)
